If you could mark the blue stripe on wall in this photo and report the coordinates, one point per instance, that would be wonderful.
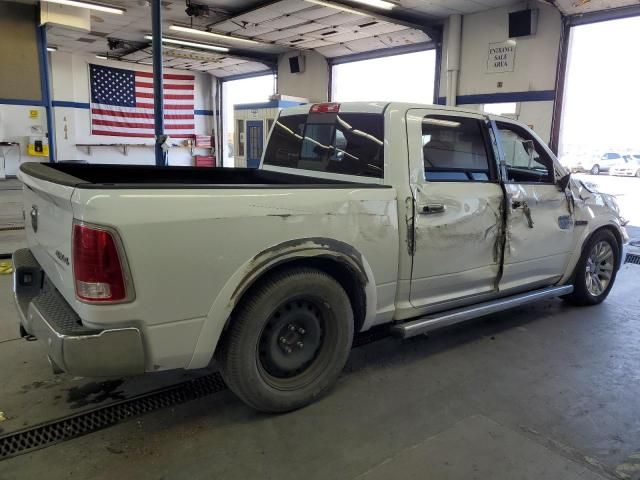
(30, 103)
(537, 96)
(62, 103)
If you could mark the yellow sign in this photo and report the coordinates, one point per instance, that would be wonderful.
(34, 113)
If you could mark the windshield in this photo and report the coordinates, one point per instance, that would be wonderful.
(345, 143)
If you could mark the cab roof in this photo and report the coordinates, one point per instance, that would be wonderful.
(377, 107)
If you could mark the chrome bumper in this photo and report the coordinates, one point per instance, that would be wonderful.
(71, 347)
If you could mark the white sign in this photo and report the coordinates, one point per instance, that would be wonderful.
(501, 57)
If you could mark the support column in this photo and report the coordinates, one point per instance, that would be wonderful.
(158, 109)
(45, 87)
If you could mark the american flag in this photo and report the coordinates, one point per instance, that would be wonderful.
(122, 103)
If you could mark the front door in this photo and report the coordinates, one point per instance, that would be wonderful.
(540, 230)
(254, 143)
(457, 207)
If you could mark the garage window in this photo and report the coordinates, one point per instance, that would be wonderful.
(454, 150)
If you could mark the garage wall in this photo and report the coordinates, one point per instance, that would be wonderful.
(71, 97)
(532, 83)
(312, 84)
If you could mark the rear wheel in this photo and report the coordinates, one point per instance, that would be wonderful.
(596, 270)
(638, 173)
(289, 342)
(595, 170)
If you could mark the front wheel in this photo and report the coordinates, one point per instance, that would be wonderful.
(289, 342)
(596, 270)
(595, 170)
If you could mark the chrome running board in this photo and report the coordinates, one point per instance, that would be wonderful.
(451, 317)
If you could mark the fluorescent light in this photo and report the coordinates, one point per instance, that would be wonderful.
(101, 57)
(186, 43)
(179, 28)
(52, 48)
(101, 7)
(377, 3)
(336, 6)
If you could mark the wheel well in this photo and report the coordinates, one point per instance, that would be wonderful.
(340, 271)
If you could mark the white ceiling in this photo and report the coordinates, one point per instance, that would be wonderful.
(280, 26)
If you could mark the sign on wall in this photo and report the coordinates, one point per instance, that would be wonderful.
(501, 57)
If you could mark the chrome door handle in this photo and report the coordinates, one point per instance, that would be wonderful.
(431, 208)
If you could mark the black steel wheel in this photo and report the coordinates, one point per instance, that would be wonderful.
(289, 341)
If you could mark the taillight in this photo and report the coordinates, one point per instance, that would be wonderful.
(97, 265)
(325, 108)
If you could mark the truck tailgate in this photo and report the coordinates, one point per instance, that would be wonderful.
(48, 226)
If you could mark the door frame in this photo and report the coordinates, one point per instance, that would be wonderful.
(253, 124)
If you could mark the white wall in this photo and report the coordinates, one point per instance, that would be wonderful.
(70, 83)
(312, 84)
(15, 126)
(534, 67)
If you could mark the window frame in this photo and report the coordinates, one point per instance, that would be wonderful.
(540, 150)
(483, 125)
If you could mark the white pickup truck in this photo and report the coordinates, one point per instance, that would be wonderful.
(360, 214)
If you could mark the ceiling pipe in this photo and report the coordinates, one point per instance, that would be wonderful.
(454, 36)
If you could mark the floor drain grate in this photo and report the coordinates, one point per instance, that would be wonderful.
(632, 258)
(67, 428)
(50, 433)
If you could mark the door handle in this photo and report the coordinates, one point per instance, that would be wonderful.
(431, 208)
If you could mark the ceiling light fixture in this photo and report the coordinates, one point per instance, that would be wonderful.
(52, 48)
(377, 3)
(101, 57)
(101, 7)
(187, 43)
(180, 28)
(336, 6)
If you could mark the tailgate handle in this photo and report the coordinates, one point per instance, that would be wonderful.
(431, 208)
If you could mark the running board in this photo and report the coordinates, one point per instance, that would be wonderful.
(451, 317)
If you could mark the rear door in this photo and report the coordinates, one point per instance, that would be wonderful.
(540, 226)
(457, 203)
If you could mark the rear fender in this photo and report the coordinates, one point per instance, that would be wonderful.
(254, 269)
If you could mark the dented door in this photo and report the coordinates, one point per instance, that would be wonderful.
(540, 228)
(457, 207)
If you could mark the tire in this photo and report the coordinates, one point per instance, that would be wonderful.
(638, 173)
(583, 293)
(595, 170)
(289, 341)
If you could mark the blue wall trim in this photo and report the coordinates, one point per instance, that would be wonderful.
(271, 104)
(63, 103)
(538, 96)
(86, 106)
(30, 103)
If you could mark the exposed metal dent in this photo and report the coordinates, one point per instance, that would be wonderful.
(409, 221)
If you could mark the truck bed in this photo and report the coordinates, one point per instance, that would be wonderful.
(96, 176)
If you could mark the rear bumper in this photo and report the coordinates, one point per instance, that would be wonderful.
(71, 346)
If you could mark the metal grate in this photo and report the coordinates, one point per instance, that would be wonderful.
(47, 434)
(50, 433)
(632, 258)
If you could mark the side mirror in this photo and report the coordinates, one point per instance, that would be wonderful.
(563, 182)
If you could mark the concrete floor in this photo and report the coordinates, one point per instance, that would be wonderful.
(543, 392)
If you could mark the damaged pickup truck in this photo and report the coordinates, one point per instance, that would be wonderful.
(360, 214)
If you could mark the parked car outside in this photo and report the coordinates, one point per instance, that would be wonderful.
(629, 166)
(596, 165)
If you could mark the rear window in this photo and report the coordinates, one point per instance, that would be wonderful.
(345, 143)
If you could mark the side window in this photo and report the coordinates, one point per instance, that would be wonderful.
(454, 150)
(525, 159)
